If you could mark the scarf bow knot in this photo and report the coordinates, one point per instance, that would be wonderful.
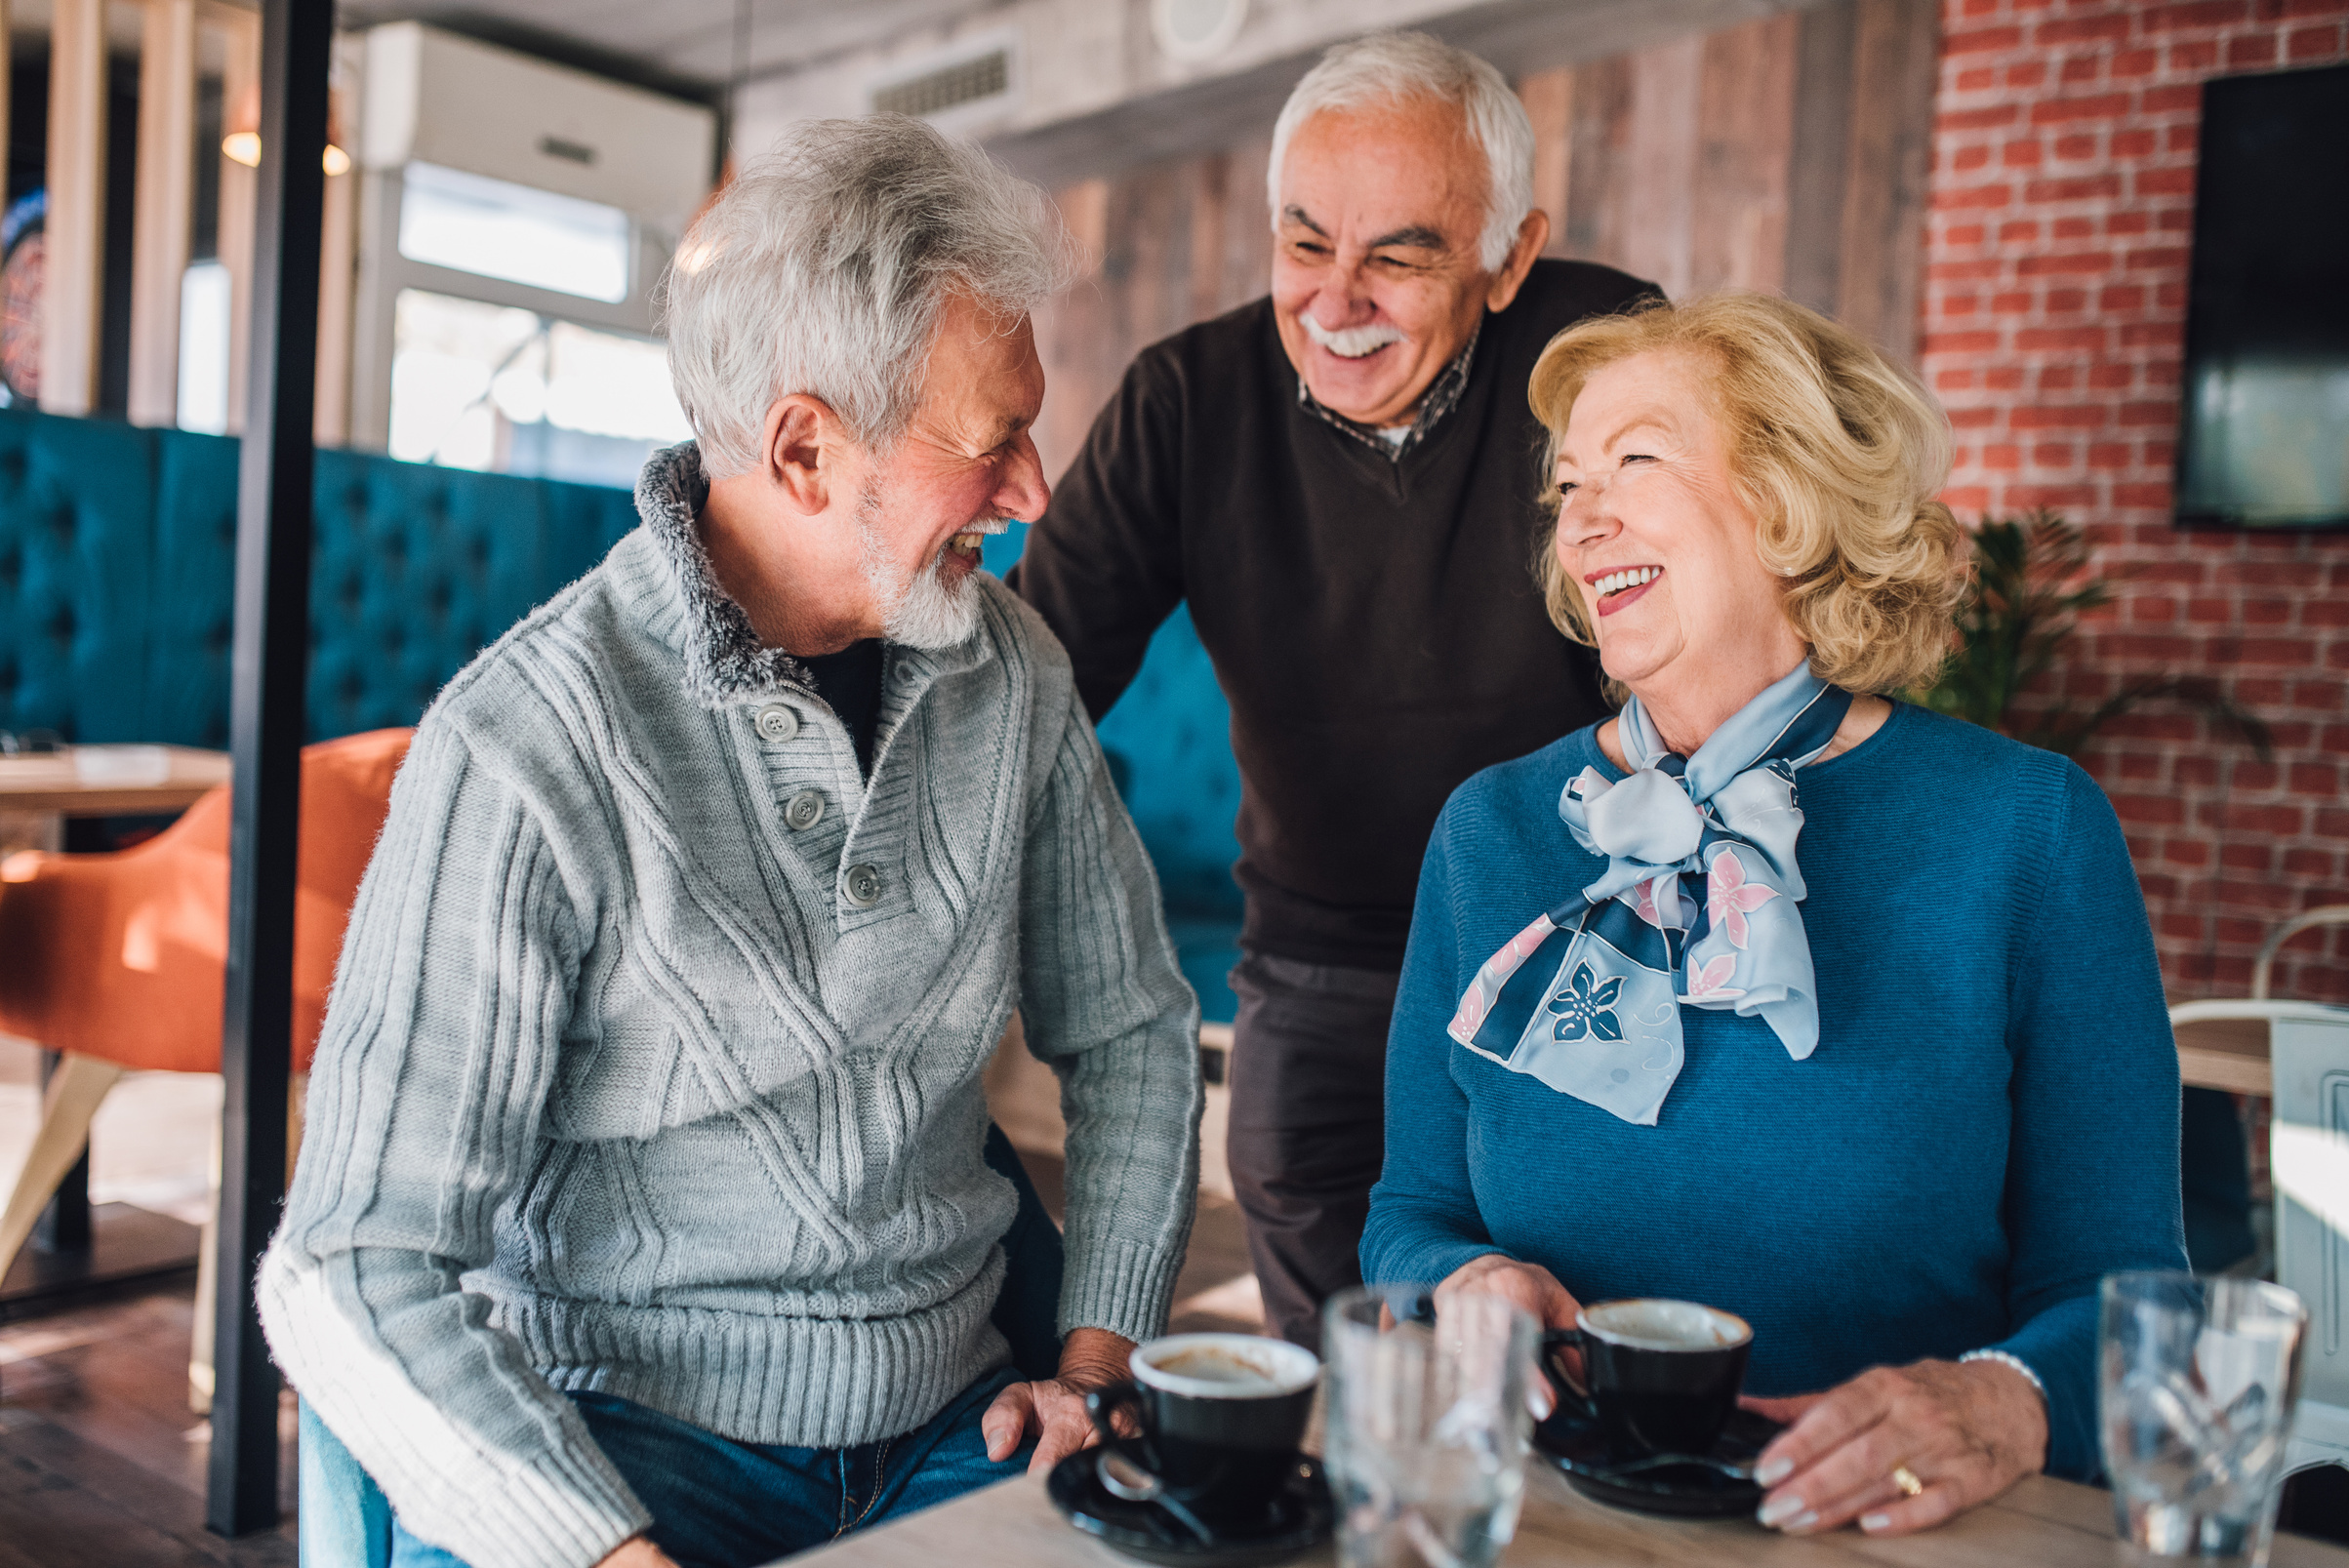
(1697, 907)
(1646, 820)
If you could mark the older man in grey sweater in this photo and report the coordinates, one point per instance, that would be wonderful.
(642, 1216)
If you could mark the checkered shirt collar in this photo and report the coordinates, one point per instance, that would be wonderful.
(1441, 396)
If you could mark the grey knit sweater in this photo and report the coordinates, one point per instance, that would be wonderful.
(629, 1085)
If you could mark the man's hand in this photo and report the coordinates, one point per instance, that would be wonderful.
(637, 1552)
(1966, 1433)
(1054, 1411)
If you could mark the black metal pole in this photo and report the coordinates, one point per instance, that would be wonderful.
(270, 663)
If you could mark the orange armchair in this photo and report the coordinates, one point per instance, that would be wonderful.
(117, 960)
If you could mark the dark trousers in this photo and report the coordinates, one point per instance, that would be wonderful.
(1307, 1130)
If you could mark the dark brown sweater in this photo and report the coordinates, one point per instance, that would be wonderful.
(1375, 625)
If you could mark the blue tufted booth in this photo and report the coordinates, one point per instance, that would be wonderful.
(117, 549)
(77, 506)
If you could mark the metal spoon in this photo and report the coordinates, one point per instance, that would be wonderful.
(1129, 1481)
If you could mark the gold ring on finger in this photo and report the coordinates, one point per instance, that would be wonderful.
(1906, 1479)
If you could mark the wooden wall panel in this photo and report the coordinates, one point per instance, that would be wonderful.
(1598, 180)
(1548, 98)
(1081, 357)
(1745, 133)
(1816, 163)
(1896, 50)
(1657, 240)
(1247, 253)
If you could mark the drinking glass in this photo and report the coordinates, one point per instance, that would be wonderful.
(2196, 1381)
(1426, 1428)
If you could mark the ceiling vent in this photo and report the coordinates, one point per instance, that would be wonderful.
(974, 81)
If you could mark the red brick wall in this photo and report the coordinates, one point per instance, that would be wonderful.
(2054, 308)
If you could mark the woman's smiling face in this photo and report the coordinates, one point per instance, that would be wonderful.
(1655, 536)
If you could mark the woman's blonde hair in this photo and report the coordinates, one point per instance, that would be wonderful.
(1836, 453)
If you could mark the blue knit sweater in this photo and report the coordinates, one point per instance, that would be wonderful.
(1989, 1125)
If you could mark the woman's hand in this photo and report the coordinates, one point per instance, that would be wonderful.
(1054, 1410)
(637, 1552)
(1528, 1285)
(1968, 1432)
(1525, 1285)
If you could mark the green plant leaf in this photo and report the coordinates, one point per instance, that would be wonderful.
(2030, 583)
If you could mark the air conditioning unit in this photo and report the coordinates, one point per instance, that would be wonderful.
(437, 98)
(515, 218)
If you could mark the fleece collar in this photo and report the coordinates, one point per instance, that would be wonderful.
(725, 663)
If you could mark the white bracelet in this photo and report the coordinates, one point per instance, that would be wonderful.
(2008, 1359)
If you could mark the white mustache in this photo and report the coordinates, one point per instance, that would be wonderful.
(1350, 342)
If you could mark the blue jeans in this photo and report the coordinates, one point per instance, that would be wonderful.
(720, 1503)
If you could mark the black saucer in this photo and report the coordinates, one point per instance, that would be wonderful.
(1299, 1518)
(1571, 1441)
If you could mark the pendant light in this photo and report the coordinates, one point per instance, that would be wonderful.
(242, 144)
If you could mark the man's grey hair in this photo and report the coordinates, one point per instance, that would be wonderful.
(823, 266)
(1395, 67)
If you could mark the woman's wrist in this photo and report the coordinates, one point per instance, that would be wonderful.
(2021, 1426)
(2009, 1359)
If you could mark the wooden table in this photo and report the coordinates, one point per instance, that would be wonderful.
(75, 1247)
(2039, 1524)
(2225, 1053)
(53, 784)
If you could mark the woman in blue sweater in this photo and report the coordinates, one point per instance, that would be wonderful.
(1771, 993)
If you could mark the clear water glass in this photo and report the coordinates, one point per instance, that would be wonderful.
(1426, 1428)
(2197, 1382)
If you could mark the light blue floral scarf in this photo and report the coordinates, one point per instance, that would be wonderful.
(1697, 908)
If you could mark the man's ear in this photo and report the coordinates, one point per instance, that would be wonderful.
(804, 447)
(1532, 234)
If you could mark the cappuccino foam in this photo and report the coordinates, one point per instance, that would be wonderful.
(1210, 1365)
(1665, 1325)
(1225, 1366)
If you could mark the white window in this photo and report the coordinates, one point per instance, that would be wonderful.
(489, 386)
(204, 290)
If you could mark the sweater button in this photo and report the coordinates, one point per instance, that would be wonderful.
(776, 722)
(863, 885)
(805, 810)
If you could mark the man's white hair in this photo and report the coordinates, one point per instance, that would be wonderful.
(823, 266)
(1394, 66)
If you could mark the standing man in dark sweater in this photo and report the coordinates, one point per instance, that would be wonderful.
(1342, 479)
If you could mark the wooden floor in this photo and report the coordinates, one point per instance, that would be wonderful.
(101, 1466)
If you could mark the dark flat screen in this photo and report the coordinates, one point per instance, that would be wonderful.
(2264, 436)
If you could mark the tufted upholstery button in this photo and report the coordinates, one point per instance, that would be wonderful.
(805, 809)
(863, 885)
(776, 722)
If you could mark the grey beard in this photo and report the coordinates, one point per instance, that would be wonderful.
(918, 611)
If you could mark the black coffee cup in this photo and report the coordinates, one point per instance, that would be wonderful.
(1220, 1417)
(1659, 1377)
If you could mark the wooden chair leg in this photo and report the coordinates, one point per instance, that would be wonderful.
(199, 1349)
(75, 1091)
